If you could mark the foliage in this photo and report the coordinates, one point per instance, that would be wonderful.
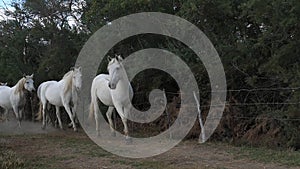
(39, 39)
(257, 40)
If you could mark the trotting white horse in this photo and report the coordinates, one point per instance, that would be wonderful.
(13, 98)
(61, 93)
(113, 90)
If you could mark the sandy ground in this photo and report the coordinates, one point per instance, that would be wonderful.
(53, 148)
(11, 127)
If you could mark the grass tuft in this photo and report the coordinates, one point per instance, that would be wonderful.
(9, 159)
(287, 157)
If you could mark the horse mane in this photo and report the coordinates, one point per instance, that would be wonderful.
(20, 86)
(69, 81)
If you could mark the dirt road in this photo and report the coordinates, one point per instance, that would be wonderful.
(66, 149)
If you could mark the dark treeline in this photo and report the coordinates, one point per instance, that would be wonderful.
(257, 40)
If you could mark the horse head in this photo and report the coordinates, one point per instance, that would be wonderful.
(77, 78)
(28, 83)
(115, 70)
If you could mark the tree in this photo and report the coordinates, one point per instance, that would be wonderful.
(258, 42)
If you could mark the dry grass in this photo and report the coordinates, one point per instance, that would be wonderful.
(66, 149)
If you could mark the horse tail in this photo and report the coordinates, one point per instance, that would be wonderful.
(39, 113)
(91, 113)
(93, 102)
(39, 92)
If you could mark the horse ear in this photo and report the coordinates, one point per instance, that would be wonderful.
(24, 75)
(32, 75)
(109, 58)
(119, 57)
(79, 68)
(72, 68)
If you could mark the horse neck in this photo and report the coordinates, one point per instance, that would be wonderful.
(67, 83)
(19, 87)
(123, 83)
(68, 86)
(74, 93)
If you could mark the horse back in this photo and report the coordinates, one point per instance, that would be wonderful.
(5, 93)
(50, 91)
(101, 90)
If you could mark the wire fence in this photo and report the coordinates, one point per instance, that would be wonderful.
(241, 104)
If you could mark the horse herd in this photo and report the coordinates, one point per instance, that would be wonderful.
(112, 89)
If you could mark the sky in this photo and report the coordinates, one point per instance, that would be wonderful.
(2, 8)
(7, 2)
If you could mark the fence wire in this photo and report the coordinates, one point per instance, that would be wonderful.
(194, 105)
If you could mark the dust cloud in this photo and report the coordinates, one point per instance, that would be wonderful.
(11, 127)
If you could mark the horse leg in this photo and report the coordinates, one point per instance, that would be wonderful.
(16, 110)
(6, 114)
(73, 109)
(108, 115)
(122, 112)
(58, 116)
(67, 107)
(128, 139)
(124, 120)
(47, 114)
(21, 112)
(126, 112)
(96, 113)
(50, 118)
(44, 115)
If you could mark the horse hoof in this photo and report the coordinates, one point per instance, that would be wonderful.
(75, 129)
(43, 127)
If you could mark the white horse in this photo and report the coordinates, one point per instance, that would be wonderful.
(13, 98)
(61, 93)
(113, 90)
